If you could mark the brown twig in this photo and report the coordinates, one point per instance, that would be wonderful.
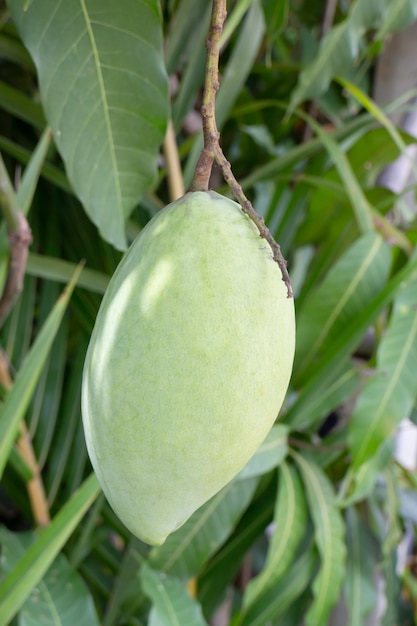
(35, 488)
(208, 108)
(20, 238)
(212, 151)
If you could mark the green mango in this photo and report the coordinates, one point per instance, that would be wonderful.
(188, 364)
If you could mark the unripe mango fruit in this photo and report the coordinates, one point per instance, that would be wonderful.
(188, 364)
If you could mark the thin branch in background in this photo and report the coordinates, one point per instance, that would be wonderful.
(20, 241)
(35, 488)
(20, 238)
(173, 164)
(328, 18)
(212, 151)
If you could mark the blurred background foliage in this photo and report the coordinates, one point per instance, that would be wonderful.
(320, 527)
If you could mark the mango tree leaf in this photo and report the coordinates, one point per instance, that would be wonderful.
(284, 593)
(271, 453)
(359, 203)
(398, 15)
(213, 582)
(330, 540)
(61, 598)
(363, 478)
(334, 358)
(390, 394)
(340, 386)
(276, 15)
(53, 268)
(16, 587)
(185, 551)
(17, 400)
(30, 177)
(360, 590)
(290, 521)
(105, 96)
(342, 44)
(351, 284)
(172, 604)
(20, 105)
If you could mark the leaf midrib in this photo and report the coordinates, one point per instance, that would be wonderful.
(395, 375)
(342, 301)
(100, 80)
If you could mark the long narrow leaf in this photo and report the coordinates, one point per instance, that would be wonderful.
(348, 287)
(53, 268)
(290, 521)
(225, 564)
(16, 587)
(17, 401)
(345, 342)
(30, 177)
(360, 585)
(399, 14)
(281, 596)
(329, 535)
(390, 395)
(360, 205)
(342, 44)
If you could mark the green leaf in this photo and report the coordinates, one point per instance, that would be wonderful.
(281, 596)
(360, 591)
(379, 116)
(276, 15)
(225, 564)
(341, 384)
(187, 19)
(290, 522)
(17, 400)
(360, 205)
(185, 551)
(172, 604)
(362, 480)
(105, 95)
(17, 586)
(21, 106)
(342, 44)
(333, 359)
(271, 453)
(54, 268)
(348, 287)
(59, 457)
(398, 15)
(330, 540)
(27, 187)
(390, 394)
(61, 598)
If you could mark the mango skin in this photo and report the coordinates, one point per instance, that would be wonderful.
(188, 364)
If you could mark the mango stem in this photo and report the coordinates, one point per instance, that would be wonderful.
(212, 151)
